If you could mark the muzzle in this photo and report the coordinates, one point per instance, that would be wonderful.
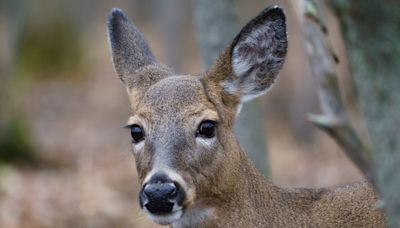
(160, 195)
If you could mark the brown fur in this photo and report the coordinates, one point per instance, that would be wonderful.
(223, 189)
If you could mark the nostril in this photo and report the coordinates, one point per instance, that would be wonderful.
(170, 189)
(174, 192)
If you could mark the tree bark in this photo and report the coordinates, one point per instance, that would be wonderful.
(334, 119)
(217, 24)
(371, 30)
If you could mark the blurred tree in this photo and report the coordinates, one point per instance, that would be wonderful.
(41, 41)
(172, 24)
(217, 24)
(48, 45)
(15, 144)
(371, 30)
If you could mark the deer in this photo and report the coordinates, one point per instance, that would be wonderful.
(191, 168)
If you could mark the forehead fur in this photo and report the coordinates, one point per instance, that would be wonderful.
(176, 94)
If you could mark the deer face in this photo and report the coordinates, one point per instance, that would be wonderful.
(182, 126)
(178, 147)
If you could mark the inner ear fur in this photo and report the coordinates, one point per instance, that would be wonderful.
(249, 66)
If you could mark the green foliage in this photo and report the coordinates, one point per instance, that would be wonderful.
(15, 144)
(48, 50)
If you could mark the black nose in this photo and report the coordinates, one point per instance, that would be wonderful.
(160, 191)
(160, 194)
(159, 197)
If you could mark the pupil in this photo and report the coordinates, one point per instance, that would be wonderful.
(207, 129)
(136, 133)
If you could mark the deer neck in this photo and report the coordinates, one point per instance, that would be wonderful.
(252, 187)
(245, 193)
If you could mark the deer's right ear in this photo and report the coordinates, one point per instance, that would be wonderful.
(133, 60)
(130, 51)
(250, 65)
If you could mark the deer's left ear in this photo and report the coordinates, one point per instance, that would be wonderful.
(250, 65)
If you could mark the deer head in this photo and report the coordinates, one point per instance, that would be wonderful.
(182, 129)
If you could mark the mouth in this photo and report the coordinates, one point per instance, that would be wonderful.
(165, 219)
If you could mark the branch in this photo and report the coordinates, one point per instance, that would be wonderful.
(334, 119)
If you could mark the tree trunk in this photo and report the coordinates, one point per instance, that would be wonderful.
(217, 24)
(371, 30)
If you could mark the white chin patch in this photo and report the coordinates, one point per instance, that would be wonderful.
(166, 219)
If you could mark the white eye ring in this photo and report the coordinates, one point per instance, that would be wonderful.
(137, 146)
(208, 143)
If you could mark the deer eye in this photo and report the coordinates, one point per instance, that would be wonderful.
(136, 133)
(206, 129)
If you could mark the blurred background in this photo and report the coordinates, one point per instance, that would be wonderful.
(65, 160)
